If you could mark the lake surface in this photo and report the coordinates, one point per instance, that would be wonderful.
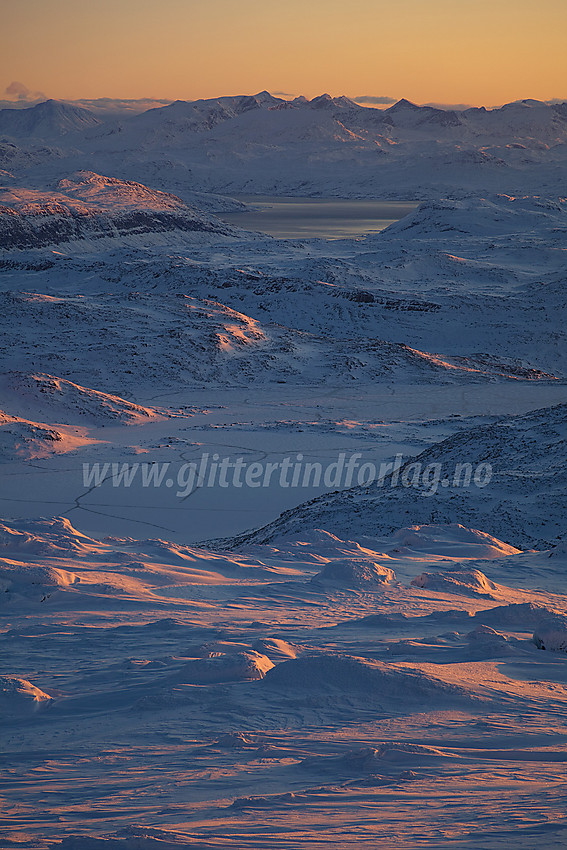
(327, 218)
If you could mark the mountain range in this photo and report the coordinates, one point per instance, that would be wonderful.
(324, 146)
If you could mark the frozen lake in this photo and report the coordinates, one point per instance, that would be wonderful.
(327, 218)
(260, 426)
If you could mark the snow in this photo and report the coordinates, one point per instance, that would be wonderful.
(46, 120)
(553, 639)
(353, 573)
(520, 506)
(302, 666)
(280, 699)
(19, 697)
(22, 438)
(64, 400)
(468, 582)
(227, 668)
(354, 676)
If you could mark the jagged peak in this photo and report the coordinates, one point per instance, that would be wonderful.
(324, 100)
(265, 96)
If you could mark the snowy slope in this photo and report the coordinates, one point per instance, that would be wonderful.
(521, 503)
(64, 401)
(89, 207)
(150, 341)
(458, 290)
(50, 119)
(23, 439)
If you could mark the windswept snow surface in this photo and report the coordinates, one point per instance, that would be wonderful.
(157, 695)
(332, 662)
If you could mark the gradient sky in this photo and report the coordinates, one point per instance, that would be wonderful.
(447, 51)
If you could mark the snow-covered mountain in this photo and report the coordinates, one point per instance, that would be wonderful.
(47, 120)
(324, 146)
(199, 115)
(89, 207)
(296, 147)
(527, 118)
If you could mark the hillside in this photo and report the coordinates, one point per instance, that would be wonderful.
(520, 504)
(89, 208)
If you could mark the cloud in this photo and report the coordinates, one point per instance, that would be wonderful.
(282, 94)
(18, 89)
(458, 107)
(374, 99)
(19, 92)
(116, 105)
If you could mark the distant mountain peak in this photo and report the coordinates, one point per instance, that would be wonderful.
(57, 107)
(403, 104)
(46, 119)
(325, 100)
(321, 99)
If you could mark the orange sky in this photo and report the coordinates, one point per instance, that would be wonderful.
(447, 51)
